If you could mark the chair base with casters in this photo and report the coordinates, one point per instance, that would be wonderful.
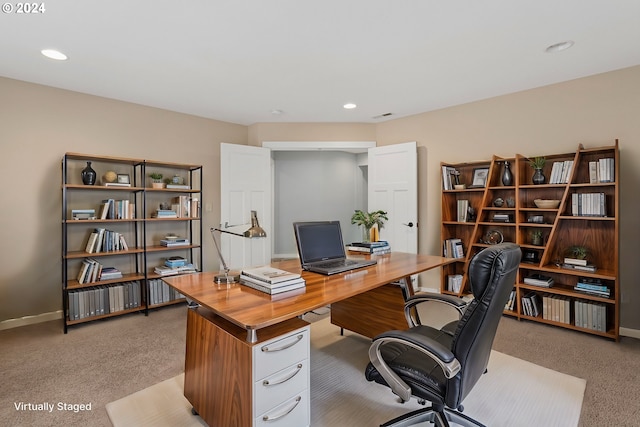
(439, 415)
(442, 365)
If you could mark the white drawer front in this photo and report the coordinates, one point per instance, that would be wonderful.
(274, 355)
(272, 390)
(292, 413)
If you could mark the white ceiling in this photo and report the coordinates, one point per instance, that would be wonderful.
(237, 61)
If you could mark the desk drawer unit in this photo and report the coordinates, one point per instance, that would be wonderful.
(281, 371)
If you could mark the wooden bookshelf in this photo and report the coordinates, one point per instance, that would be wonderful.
(561, 227)
(142, 233)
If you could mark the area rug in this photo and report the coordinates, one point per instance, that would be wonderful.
(512, 392)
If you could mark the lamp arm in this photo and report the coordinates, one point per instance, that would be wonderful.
(215, 242)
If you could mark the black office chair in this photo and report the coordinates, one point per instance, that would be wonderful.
(443, 365)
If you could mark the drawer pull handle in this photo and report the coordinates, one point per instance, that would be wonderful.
(284, 414)
(285, 379)
(266, 349)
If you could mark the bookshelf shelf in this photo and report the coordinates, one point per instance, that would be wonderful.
(130, 221)
(561, 228)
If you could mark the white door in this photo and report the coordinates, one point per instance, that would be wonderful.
(393, 187)
(245, 186)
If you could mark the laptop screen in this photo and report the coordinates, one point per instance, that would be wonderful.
(318, 241)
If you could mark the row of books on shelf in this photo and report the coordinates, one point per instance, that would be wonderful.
(450, 177)
(160, 292)
(602, 170)
(452, 248)
(557, 308)
(175, 265)
(103, 300)
(561, 172)
(454, 283)
(588, 204)
(103, 240)
(92, 271)
(271, 280)
(375, 248)
(117, 209)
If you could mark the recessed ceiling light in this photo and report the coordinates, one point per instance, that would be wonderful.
(276, 112)
(54, 54)
(559, 47)
(349, 106)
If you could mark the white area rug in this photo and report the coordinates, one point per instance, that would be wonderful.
(512, 393)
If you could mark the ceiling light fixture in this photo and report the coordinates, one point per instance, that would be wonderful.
(349, 106)
(54, 54)
(559, 47)
(276, 112)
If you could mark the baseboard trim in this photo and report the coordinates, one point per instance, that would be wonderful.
(30, 320)
(628, 332)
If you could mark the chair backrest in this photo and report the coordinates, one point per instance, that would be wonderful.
(492, 275)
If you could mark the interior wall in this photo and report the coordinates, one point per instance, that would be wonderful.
(38, 124)
(593, 111)
(311, 132)
(314, 186)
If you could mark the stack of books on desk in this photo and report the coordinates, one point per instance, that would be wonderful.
(271, 280)
(373, 248)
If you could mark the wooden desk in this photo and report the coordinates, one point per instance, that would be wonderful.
(221, 379)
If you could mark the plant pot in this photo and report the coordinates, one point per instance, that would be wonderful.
(538, 177)
(157, 184)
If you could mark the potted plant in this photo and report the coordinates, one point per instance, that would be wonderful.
(578, 252)
(537, 163)
(368, 220)
(156, 179)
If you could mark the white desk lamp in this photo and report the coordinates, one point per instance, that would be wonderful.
(254, 231)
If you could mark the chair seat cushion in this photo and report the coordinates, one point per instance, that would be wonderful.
(421, 373)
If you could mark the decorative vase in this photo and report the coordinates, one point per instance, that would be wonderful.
(366, 234)
(538, 177)
(507, 176)
(88, 175)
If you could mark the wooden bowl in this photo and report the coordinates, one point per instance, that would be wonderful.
(546, 204)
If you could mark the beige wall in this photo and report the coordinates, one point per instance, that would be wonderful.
(39, 124)
(593, 111)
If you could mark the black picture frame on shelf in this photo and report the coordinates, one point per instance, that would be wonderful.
(479, 179)
(123, 178)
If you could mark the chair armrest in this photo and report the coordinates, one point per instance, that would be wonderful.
(433, 349)
(457, 303)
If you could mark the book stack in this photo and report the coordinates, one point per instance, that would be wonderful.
(164, 213)
(502, 217)
(452, 248)
(578, 264)
(175, 265)
(374, 248)
(174, 242)
(592, 287)
(271, 280)
(83, 214)
(539, 280)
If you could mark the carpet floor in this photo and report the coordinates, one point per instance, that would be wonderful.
(513, 392)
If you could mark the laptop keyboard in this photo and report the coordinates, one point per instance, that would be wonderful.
(336, 263)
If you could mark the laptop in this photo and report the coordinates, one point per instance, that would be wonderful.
(321, 248)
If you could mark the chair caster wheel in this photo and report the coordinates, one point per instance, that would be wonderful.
(194, 412)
